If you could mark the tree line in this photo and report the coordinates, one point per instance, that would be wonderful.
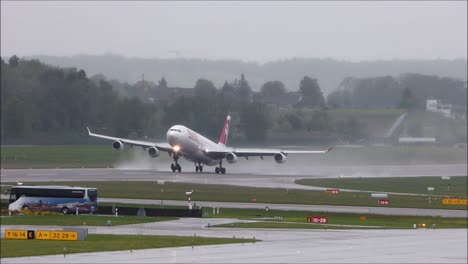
(43, 104)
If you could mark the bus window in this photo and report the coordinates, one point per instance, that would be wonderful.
(12, 197)
(92, 194)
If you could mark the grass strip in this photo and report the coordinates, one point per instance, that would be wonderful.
(455, 186)
(78, 220)
(230, 193)
(97, 243)
(348, 219)
(275, 218)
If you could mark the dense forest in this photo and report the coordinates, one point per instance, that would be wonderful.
(42, 104)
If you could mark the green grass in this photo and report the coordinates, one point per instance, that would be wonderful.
(457, 187)
(79, 220)
(97, 243)
(103, 156)
(58, 157)
(228, 193)
(297, 218)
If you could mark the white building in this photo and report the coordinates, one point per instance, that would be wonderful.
(434, 105)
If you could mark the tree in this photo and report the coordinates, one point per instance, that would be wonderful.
(243, 90)
(205, 88)
(162, 83)
(228, 92)
(311, 95)
(13, 61)
(339, 99)
(255, 120)
(295, 119)
(408, 100)
(273, 89)
(81, 74)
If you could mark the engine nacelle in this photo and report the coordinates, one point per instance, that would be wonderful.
(279, 157)
(231, 157)
(153, 152)
(117, 145)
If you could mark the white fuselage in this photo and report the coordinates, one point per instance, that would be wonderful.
(192, 144)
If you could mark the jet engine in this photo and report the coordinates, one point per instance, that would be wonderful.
(117, 145)
(231, 157)
(153, 152)
(279, 157)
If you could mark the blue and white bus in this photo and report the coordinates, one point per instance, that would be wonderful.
(65, 199)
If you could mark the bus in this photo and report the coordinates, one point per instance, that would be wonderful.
(64, 199)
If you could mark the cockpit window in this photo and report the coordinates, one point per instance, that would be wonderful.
(176, 130)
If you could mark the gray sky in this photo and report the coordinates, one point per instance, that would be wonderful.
(250, 31)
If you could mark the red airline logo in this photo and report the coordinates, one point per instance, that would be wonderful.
(225, 132)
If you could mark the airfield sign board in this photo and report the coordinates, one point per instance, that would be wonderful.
(317, 219)
(16, 234)
(41, 235)
(384, 202)
(333, 191)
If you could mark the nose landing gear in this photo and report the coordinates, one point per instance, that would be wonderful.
(176, 166)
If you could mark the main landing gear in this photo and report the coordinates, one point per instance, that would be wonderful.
(220, 169)
(176, 166)
(199, 167)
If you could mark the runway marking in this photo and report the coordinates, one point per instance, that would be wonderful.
(92, 174)
(41, 174)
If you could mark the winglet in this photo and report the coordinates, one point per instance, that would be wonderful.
(89, 131)
(330, 148)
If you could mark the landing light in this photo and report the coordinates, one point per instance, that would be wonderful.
(176, 148)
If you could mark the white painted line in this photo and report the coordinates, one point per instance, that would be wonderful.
(92, 174)
(41, 174)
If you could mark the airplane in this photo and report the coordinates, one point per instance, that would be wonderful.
(184, 142)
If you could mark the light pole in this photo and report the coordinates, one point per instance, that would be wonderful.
(189, 194)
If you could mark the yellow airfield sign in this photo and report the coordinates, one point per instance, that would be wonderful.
(63, 235)
(41, 235)
(454, 201)
(16, 234)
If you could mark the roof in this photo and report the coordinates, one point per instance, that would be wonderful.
(52, 187)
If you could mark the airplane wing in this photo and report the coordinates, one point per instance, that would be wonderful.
(145, 144)
(248, 152)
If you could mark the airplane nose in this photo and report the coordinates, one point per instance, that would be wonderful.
(170, 137)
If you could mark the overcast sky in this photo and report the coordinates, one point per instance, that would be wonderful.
(249, 31)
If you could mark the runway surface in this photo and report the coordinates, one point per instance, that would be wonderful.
(277, 179)
(277, 245)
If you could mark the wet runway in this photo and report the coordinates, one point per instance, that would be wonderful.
(275, 179)
(278, 245)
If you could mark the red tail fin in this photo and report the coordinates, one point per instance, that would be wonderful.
(225, 132)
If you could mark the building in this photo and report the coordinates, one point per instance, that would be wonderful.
(434, 105)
